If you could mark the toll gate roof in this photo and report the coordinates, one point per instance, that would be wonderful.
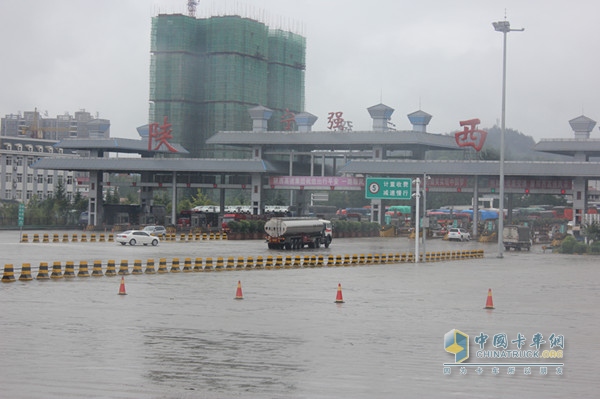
(156, 165)
(335, 140)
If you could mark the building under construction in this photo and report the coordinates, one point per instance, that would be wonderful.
(205, 74)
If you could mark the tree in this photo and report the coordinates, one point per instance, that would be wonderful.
(80, 203)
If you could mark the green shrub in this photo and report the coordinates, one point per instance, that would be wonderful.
(595, 247)
(234, 226)
(568, 245)
(340, 226)
(580, 248)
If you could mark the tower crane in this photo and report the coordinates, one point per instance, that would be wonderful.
(191, 4)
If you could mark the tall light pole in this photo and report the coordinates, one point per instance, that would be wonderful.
(417, 196)
(504, 27)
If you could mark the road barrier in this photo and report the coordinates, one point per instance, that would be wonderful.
(103, 238)
(248, 263)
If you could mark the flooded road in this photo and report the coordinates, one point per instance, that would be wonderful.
(182, 335)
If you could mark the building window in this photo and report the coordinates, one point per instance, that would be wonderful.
(40, 179)
(8, 160)
(19, 161)
(19, 177)
(40, 194)
(8, 194)
(8, 178)
(50, 179)
(29, 178)
(69, 179)
(29, 194)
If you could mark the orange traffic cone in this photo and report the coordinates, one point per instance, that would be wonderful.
(489, 304)
(338, 298)
(122, 287)
(238, 292)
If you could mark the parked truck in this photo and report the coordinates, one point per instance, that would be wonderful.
(295, 233)
(517, 237)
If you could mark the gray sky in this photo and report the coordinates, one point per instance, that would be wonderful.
(441, 56)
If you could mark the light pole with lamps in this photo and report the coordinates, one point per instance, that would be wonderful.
(504, 27)
(417, 196)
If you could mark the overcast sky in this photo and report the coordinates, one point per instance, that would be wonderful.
(441, 56)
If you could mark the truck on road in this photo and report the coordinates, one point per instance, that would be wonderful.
(295, 233)
(517, 237)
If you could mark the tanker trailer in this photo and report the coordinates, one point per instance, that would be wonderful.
(295, 233)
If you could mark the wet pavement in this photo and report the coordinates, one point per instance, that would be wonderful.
(182, 335)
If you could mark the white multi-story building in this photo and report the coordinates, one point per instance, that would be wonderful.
(20, 182)
(27, 137)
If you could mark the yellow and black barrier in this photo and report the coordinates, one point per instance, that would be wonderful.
(97, 269)
(25, 272)
(137, 267)
(111, 269)
(83, 269)
(175, 266)
(269, 262)
(198, 265)
(187, 265)
(9, 273)
(103, 238)
(209, 265)
(150, 267)
(43, 272)
(123, 268)
(69, 269)
(162, 266)
(56, 270)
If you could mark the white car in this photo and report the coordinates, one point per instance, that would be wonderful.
(158, 231)
(458, 234)
(134, 237)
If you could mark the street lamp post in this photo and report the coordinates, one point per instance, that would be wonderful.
(504, 27)
(417, 196)
(425, 224)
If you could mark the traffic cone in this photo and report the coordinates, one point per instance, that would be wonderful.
(338, 298)
(238, 292)
(122, 287)
(489, 304)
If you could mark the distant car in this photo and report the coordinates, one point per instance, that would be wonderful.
(134, 237)
(158, 231)
(458, 234)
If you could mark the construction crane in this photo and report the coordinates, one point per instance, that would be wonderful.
(191, 4)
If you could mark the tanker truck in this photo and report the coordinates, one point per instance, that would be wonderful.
(295, 233)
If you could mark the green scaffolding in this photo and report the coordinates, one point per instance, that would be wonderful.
(206, 73)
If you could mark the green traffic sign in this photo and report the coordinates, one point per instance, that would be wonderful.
(388, 188)
(21, 214)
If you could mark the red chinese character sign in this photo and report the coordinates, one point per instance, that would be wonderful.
(471, 136)
(335, 121)
(160, 134)
(288, 119)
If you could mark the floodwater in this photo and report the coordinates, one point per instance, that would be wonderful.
(183, 335)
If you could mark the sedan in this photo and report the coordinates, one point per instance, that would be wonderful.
(158, 231)
(133, 237)
(459, 234)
